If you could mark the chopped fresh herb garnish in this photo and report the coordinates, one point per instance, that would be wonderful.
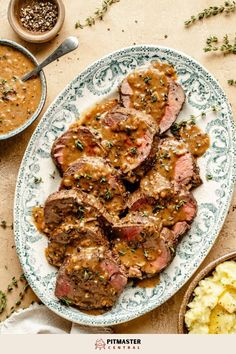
(157, 208)
(209, 177)
(87, 176)
(98, 117)
(38, 180)
(133, 151)
(147, 79)
(121, 253)
(145, 253)
(109, 144)
(80, 212)
(79, 145)
(180, 204)
(103, 179)
(154, 98)
(65, 301)
(108, 195)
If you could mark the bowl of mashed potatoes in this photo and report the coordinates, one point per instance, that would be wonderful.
(209, 305)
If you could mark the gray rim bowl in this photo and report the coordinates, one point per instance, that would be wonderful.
(35, 115)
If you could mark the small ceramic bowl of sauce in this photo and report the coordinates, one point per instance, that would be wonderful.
(36, 21)
(20, 102)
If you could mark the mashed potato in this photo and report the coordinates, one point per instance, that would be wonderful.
(213, 309)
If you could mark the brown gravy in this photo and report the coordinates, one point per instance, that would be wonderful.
(148, 282)
(18, 100)
(38, 217)
(197, 141)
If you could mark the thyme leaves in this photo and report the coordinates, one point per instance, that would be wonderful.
(98, 14)
(227, 8)
(226, 46)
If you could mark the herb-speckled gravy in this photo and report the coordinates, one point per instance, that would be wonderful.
(18, 100)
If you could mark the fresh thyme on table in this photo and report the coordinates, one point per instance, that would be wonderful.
(4, 295)
(227, 8)
(226, 47)
(232, 82)
(98, 14)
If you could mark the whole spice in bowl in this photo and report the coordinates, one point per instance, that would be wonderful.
(39, 16)
(36, 21)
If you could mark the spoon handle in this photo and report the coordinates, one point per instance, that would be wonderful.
(69, 44)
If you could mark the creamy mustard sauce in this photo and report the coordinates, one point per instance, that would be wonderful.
(18, 100)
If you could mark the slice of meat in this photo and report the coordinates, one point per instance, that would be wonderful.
(96, 176)
(73, 204)
(128, 138)
(72, 229)
(172, 236)
(90, 279)
(66, 239)
(141, 249)
(186, 171)
(146, 89)
(178, 206)
(176, 99)
(151, 91)
(174, 165)
(76, 142)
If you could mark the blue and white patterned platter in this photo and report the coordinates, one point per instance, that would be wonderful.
(99, 81)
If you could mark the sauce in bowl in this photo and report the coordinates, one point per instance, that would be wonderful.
(18, 100)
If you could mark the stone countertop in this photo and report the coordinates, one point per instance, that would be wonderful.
(128, 22)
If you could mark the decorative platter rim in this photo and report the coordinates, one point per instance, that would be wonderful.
(96, 81)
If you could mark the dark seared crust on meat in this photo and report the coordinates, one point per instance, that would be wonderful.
(96, 176)
(141, 249)
(89, 146)
(81, 206)
(90, 279)
(67, 238)
(176, 99)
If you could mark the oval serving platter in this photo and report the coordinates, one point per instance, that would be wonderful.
(99, 81)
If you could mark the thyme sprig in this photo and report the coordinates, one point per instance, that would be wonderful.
(4, 295)
(227, 8)
(98, 14)
(226, 47)
(232, 82)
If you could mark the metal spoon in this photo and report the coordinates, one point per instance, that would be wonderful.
(69, 44)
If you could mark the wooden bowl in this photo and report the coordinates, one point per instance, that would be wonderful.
(29, 36)
(207, 271)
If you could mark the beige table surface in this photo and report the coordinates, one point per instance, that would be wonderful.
(127, 23)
